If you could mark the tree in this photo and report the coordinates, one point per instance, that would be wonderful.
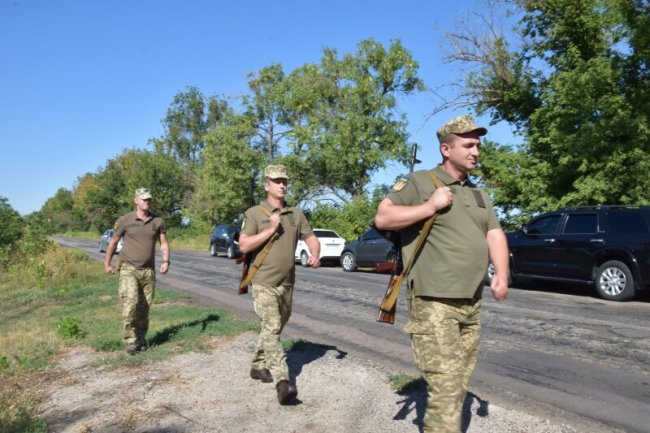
(12, 229)
(185, 126)
(577, 91)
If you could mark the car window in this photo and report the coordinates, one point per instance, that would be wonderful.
(581, 223)
(544, 225)
(620, 222)
(370, 235)
(325, 234)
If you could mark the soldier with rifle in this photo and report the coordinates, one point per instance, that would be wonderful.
(449, 233)
(269, 234)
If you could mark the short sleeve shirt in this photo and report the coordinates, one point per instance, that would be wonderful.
(140, 237)
(454, 259)
(279, 265)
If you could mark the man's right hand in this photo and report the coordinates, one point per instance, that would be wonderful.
(274, 220)
(441, 199)
(108, 269)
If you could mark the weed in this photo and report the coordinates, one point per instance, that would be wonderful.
(402, 383)
(69, 328)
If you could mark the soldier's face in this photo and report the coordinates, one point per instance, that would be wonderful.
(463, 150)
(143, 204)
(276, 187)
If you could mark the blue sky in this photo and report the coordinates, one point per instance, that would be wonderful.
(83, 80)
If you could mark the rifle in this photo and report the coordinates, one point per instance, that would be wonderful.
(389, 302)
(247, 276)
(396, 268)
(246, 259)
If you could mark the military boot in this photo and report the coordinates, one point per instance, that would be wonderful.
(262, 374)
(287, 392)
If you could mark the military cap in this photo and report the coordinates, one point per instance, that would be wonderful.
(143, 193)
(276, 172)
(459, 125)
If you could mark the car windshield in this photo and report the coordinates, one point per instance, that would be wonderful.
(325, 234)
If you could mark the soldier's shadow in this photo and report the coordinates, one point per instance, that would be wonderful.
(165, 335)
(303, 352)
(415, 399)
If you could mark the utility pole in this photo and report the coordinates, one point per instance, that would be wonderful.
(414, 160)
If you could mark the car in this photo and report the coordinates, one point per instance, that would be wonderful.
(331, 247)
(106, 238)
(605, 246)
(225, 239)
(368, 249)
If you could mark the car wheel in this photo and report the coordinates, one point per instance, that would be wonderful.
(213, 250)
(230, 252)
(348, 262)
(303, 258)
(101, 250)
(614, 281)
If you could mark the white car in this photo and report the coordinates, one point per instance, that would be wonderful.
(331, 246)
(106, 238)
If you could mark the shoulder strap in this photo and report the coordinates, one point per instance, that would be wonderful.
(426, 228)
(259, 259)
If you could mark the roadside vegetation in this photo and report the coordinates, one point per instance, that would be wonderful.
(53, 299)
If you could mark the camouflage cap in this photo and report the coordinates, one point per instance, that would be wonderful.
(276, 172)
(143, 193)
(459, 125)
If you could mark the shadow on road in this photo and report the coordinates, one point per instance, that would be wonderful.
(415, 399)
(303, 352)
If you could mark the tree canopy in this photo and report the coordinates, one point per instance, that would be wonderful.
(575, 87)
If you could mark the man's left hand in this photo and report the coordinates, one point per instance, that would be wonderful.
(313, 261)
(499, 287)
(164, 267)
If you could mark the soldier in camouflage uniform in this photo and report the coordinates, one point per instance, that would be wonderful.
(141, 231)
(273, 282)
(445, 283)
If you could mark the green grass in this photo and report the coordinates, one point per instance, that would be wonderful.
(70, 301)
(404, 383)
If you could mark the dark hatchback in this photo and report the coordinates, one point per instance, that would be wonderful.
(224, 239)
(367, 250)
(607, 246)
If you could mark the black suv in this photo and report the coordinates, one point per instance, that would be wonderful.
(369, 249)
(224, 239)
(608, 246)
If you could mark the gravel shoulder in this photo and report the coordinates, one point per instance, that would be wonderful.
(212, 392)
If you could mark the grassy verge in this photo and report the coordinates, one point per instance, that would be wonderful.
(182, 239)
(62, 299)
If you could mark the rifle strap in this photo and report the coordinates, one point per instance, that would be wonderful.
(426, 228)
(259, 259)
(390, 298)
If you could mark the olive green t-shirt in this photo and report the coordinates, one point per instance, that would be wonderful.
(454, 259)
(140, 237)
(279, 265)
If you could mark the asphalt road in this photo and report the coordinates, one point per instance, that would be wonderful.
(552, 351)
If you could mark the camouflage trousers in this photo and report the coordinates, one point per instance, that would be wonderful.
(445, 337)
(136, 291)
(273, 306)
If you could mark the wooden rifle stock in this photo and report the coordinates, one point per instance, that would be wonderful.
(246, 260)
(389, 302)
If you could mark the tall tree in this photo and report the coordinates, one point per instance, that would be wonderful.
(576, 89)
(185, 126)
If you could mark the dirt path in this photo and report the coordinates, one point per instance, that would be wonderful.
(211, 392)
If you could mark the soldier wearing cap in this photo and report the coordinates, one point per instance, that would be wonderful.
(446, 280)
(141, 231)
(273, 282)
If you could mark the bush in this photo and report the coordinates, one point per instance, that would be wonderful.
(69, 328)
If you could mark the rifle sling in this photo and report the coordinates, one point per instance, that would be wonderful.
(259, 259)
(390, 299)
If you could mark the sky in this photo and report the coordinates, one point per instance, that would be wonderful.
(83, 80)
